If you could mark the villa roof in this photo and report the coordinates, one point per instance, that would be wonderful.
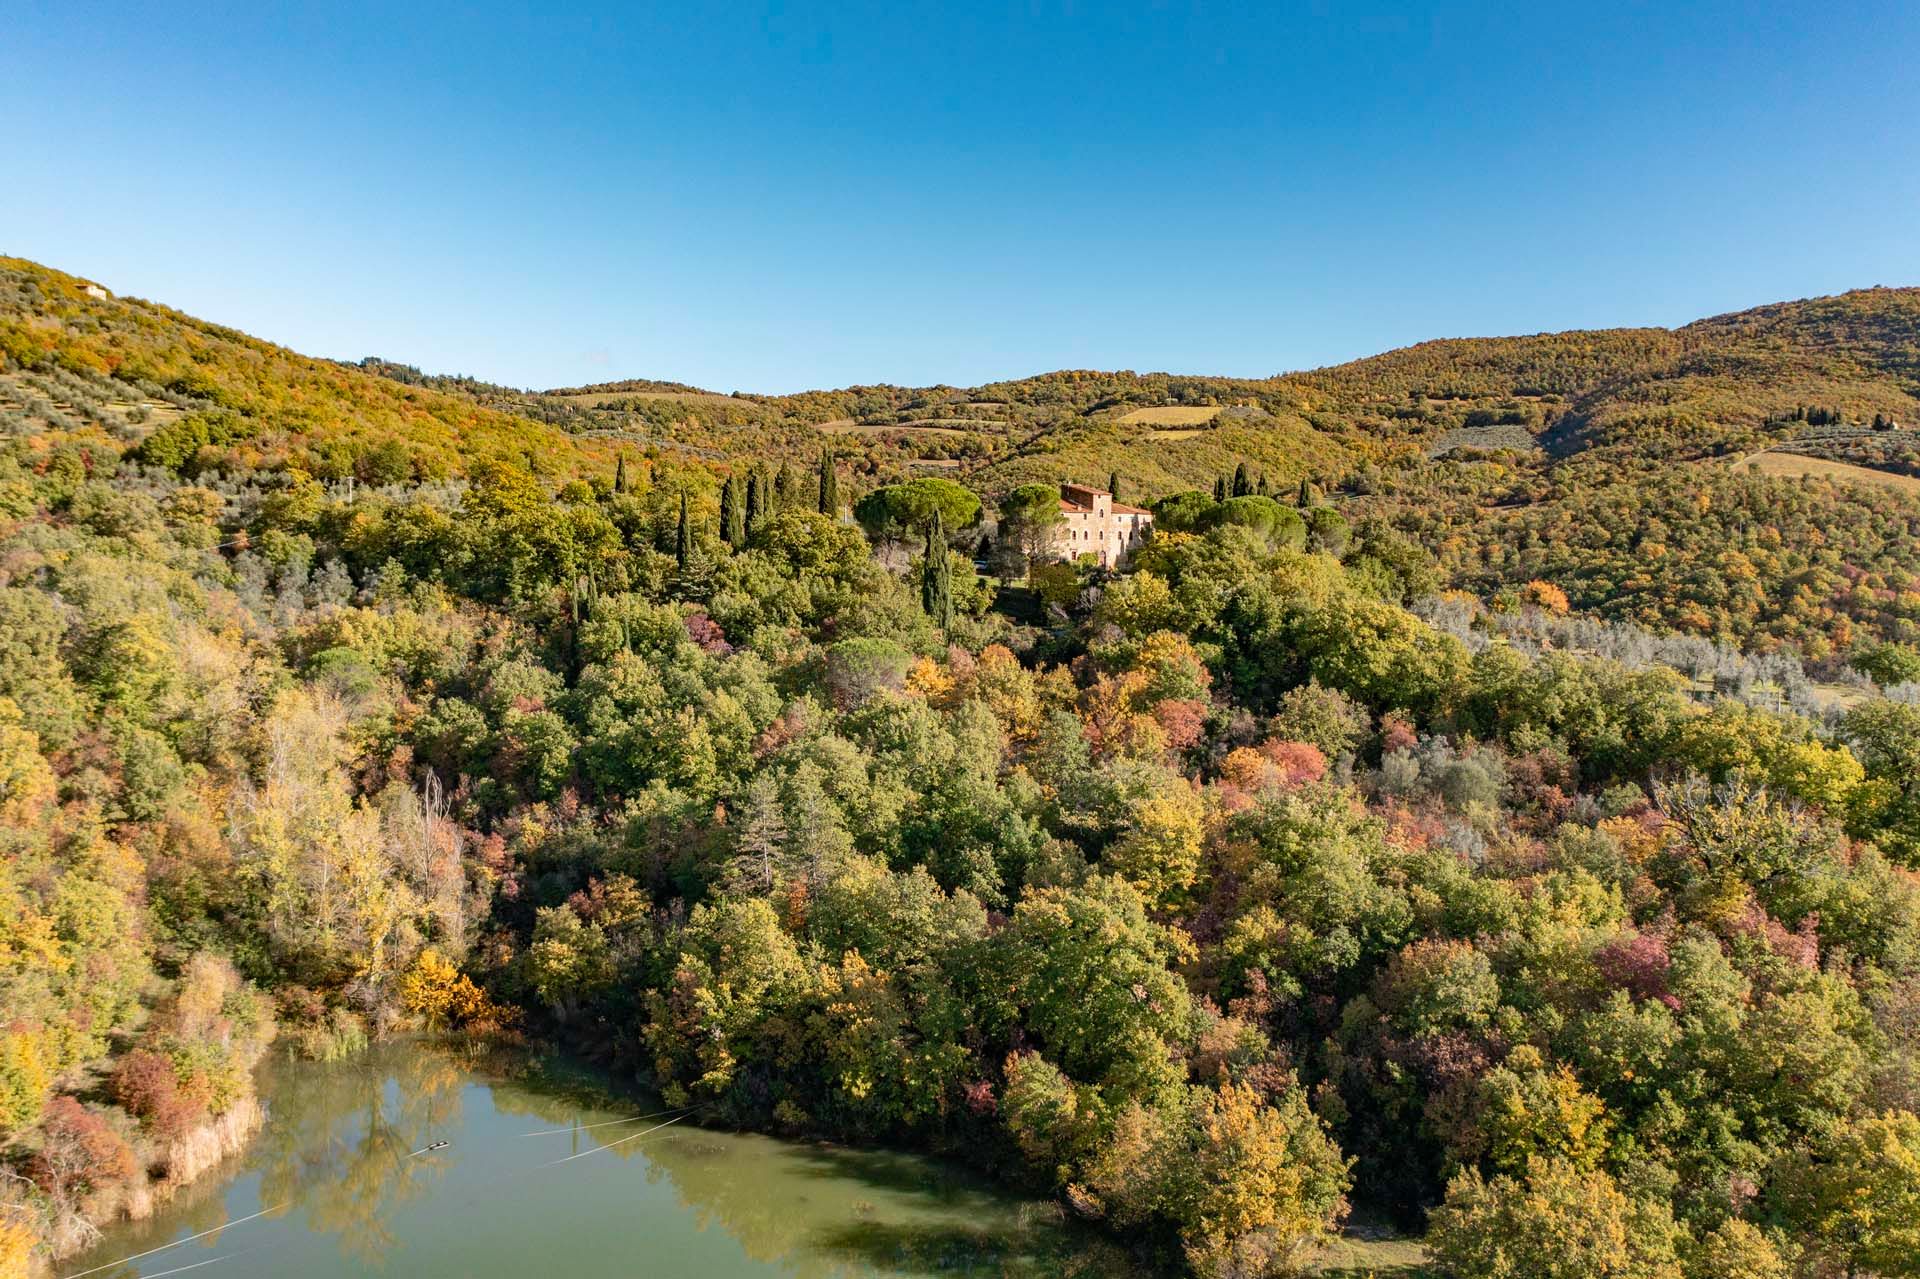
(1119, 508)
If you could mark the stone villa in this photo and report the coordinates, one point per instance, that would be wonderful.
(1094, 524)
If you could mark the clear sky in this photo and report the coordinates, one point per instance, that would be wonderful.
(779, 196)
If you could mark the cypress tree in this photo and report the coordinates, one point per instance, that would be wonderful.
(733, 513)
(936, 576)
(1219, 488)
(683, 536)
(1242, 486)
(1113, 485)
(620, 474)
(756, 503)
(829, 486)
(783, 487)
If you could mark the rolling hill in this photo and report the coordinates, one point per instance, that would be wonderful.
(1596, 460)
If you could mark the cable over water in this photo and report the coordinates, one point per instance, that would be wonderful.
(610, 1145)
(630, 1119)
(176, 1243)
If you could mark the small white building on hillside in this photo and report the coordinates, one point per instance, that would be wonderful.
(1092, 523)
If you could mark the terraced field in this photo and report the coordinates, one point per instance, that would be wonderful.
(37, 401)
(847, 426)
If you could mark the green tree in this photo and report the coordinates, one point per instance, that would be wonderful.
(760, 846)
(1250, 1184)
(1185, 512)
(900, 510)
(1555, 1222)
(829, 486)
(1735, 1250)
(936, 576)
(757, 502)
(1091, 972)
(1030, 520)
(683, 536)
(1890, 664)
(733, 512)
(1855, 1197)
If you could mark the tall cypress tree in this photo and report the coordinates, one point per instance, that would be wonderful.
(783, 487)
(756, 502)
(620, 474)
(1219, 488)
(733, 513)
(1113, 485)
(829, 486)
(683, 536)
(1242, 486)
(936, 576)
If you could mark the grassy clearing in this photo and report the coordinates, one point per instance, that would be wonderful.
(1840, 696)
(1173, 415)
(1352, 1257)
(1795, 464)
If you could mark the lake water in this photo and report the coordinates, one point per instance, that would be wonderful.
(349, 1188)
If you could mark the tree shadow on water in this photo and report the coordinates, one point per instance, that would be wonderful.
(901, 1173)
(955, 1249)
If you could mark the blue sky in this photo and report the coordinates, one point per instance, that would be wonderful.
(780, 196)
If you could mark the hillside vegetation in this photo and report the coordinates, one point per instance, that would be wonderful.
(1217, 898)
(1581, 458)
(87, 368)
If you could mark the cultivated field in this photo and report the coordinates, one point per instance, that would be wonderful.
(1794, 464)
(1174, 415)
(45, 401)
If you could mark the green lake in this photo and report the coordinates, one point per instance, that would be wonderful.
(538, 1179)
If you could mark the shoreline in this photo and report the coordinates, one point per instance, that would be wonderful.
(182, 1162)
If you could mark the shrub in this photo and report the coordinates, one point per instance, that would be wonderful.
(79, 1152)
(147, 1087)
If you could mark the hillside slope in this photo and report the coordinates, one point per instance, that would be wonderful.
(1593, 460)
(77, 363)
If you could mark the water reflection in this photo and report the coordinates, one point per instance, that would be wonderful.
(345, 1165)
(346, 1147)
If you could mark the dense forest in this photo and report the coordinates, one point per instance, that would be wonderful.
(1481, 804)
